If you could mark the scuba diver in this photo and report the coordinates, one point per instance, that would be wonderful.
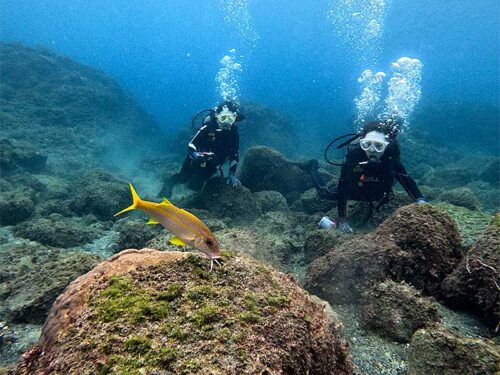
(368, 171)
(216, 141)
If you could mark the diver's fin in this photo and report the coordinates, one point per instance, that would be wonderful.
(177, 241)
(135, 201)
(152, 221)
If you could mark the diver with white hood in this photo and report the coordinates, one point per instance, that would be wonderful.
(216, 141)
(368, 172)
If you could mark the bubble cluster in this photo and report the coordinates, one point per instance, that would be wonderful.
(237, 15)
(360, 25)
(371, 90)
(403, 93)
(404, 90)
(227, 77)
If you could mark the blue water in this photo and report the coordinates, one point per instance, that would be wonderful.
(166, 53)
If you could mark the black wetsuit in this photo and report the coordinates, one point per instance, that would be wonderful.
(367, 181)
(224, 144)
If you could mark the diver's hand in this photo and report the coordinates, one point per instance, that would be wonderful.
(344, 225)
(421, 201)
(232, 180)
(197, 155)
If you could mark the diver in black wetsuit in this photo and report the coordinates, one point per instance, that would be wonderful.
(215, 142)
(371, 164)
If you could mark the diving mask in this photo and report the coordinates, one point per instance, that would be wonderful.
(225, 118)
(374, 141)
(374, 145)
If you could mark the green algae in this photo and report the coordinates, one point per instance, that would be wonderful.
(122, 302)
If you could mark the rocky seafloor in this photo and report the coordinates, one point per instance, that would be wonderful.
(415, 290)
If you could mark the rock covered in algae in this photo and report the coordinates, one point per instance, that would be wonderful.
(437, 351)
(418, 244)
(474, 284)
(145, 311)
(267, 169)
(397, 310)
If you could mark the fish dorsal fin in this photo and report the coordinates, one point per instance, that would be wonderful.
(165, 201)
(177, 241)
(152, 221)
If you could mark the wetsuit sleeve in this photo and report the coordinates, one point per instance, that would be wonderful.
(406, 181)
(234, 155)
(198, 140)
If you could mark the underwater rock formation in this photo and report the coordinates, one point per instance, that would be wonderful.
(150, 312)
(474, 284)
(32, 276)
(397, 310)
(449, 177)
(462, 197)
(134, 233)
(16, 206)
(233, 205)
(438, 351)
(320, 241)
(20, 156)
(491, 173)
(310, 202)
(99, 193)
(85, 117)
(264, 126)
(266, 169)
(59, 231)
(270, 200)
(418, 244)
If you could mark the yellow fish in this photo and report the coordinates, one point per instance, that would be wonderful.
(187, 228)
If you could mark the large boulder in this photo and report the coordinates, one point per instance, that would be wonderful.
(418, 244)
(269, 200)
(397, 310)
(16, 206)
(99, 193)
(32, 276)
(319, 242)
(163, 312)
(438, 351)
(236, 205)
(59, 231)
(474, 283)
(266, 169)
(463, 197)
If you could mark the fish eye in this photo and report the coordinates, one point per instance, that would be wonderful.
(209, 242)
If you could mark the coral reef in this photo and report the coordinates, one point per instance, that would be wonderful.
(491, 173)
(397, 310)
(418, 244)
(439, 351)
(449, 177)
(475, 282)
(150, 311)
(134, 233)
(20, 156)
(310, 202)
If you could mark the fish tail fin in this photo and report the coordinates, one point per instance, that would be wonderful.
(136, 200)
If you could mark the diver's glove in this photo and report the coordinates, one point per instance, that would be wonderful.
(197, 155)
(344, 225)
(232, 180)
(421, 200)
